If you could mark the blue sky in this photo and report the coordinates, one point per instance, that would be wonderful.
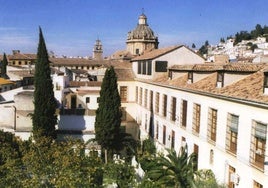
(70, 27)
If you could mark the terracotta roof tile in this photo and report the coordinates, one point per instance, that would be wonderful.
(124, 74)
(19, 56)
(249, 88)
(4, 81)
(155, 53)
(80, 83)
(233, 67)
(76, 62)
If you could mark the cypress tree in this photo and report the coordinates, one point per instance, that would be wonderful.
(44, 117)
(4, 67)
(108, 114)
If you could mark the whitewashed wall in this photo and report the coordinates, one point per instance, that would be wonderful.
(222, 159)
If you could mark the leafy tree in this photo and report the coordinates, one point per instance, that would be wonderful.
(148, 147)
(4, 67)
(193, 46)
(253, 47)
(44, 117)
(10, 160)
(257, 32)
(204, 48)
(173, 170)
(61, 164)
(222, 40)
(127, 146)
(206, 179)
(120, 173)
(108, 114)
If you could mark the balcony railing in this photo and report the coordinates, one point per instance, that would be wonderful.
(77, 111)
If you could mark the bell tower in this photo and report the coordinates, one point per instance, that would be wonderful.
(97, 50)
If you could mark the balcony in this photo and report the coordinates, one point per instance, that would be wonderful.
(77, 111)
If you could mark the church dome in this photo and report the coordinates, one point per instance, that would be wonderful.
(142, 31)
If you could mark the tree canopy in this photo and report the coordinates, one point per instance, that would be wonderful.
(108, 114)
(4, 66)
(44, 117)
(253, 34)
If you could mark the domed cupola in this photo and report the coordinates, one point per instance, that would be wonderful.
(141, 38)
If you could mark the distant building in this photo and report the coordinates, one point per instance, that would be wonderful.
(20, 59)
(97, 50)
(6, 85)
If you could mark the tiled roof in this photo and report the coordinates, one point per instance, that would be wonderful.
(4, 81)
(22, 73)
(233, 67)
(155, 53)
(124, 74)
(123, 54)
(19, 56)
(80, 83)
(88, 62)
(249, 88)
(77, 62)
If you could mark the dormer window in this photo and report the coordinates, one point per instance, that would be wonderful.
(190, 77)
(265, 83)
(220, 79)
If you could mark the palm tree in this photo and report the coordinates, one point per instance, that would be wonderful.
(173, 170)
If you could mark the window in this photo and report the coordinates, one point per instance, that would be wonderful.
(149, 68)
(157, 102)
(184, 113)
(146, 123)
(231, 177)
(164, 135)
(220, 79)
(139, 67)
(258, 144)
(257, 185)
(87, 99)
(266, 79)
(211, 156)
(173, 108)
(140, 97)
(123, 93)
(196, 151)
(196, 118)
(157, 130)
(190, 77)
(231, 133)
(145, 98)
(151, 100)
(144, 67)
(137, 94)
(137, 51)
(164, 105)
(265, 83)
(212, 125)
(161, 66)
(172, 139)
